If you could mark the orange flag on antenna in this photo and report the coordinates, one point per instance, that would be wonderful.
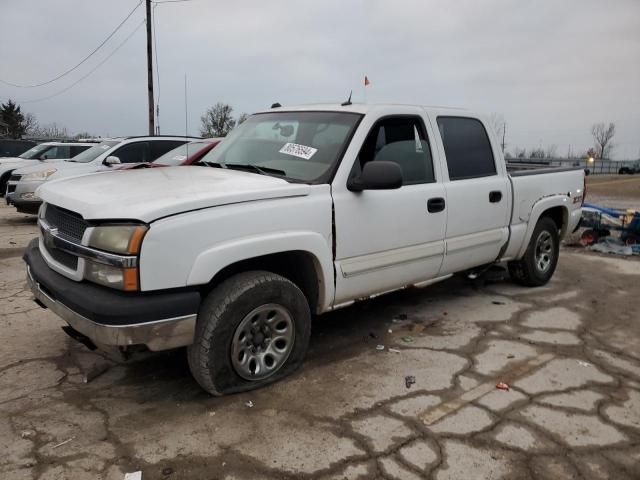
(366, 81)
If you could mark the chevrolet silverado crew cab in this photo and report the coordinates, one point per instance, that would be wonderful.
(299, 211)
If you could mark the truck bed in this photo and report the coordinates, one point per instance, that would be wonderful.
(522, 169)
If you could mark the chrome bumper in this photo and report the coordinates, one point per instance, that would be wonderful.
(158, 335)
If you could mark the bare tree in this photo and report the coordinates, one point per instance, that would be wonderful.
(30, 123)
(217, 121)
(551, 151)
(51, 130)
(242, 118)
(536, 153)
(499, 126)
(602, 135)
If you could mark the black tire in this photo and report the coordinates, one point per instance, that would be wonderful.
(3, 183)
(527, 271)
(221, 313)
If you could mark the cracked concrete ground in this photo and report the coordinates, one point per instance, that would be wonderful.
(570, 352)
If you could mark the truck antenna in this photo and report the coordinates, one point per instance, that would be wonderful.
(348, 102)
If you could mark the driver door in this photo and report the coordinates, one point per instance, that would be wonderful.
(387, 239)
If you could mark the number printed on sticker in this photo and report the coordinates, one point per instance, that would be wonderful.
(301, 151)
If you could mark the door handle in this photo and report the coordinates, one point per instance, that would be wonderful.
(435, 205)
(495, 196)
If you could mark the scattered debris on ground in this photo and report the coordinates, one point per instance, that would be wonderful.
(409, 380)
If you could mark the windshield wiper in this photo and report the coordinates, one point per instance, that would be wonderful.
(255, 168)
(246, 166)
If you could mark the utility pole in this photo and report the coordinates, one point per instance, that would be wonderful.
(504, 132)
(152, 122)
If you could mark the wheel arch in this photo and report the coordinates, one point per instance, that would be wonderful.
(4, 178)
(554, 207)
(309, 266)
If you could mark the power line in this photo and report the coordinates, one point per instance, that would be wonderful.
(81, 62)
(90, 72)
(170, 1)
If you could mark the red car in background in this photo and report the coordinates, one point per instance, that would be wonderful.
(186, 154)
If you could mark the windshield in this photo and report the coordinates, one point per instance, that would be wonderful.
(304, 146)
(35, 152)
(94, 152)
(180, 154)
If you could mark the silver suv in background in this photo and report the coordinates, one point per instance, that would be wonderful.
(21, 188)
(48, 151)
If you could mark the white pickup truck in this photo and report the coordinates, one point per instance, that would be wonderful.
(299, 211)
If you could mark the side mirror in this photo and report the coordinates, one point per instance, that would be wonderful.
(377, 175)
(111, 160)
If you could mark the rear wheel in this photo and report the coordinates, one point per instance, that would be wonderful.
(252, 330)
(539, 261)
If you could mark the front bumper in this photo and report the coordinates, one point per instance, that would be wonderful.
(22, 195)
(160, 321)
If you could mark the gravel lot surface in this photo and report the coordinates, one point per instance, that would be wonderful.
(570, 353)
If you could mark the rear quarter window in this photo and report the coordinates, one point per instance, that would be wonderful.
(466, 147)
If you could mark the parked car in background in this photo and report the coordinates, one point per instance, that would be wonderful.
(21, 188)
(13, 148)
(299, 211)
(187, 154)
(630, 170)
(44, 152)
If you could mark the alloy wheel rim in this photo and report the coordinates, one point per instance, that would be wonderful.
(544, 251)
(262, 342)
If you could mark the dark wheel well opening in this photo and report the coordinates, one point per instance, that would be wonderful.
(559, 217)
(296, 266)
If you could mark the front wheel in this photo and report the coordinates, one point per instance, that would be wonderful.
(539, 262)
(253, 329)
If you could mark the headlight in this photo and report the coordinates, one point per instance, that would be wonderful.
(110, 276)
(116, 239)
(125, 239)
(39, 175)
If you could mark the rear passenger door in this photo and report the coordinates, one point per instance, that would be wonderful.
(386, 239)
(477, 195)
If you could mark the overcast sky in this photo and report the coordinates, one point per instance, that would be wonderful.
(552, 68)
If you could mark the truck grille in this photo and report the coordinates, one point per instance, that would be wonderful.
(64, 258)
(68, 223)
(15, 178)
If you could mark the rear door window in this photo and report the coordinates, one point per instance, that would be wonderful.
(467, 148)
(160, 147)
(76, 149)
(133, 152)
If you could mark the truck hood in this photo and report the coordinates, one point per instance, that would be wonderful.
(14, 163)
(62, 167)
(30, 166)
(152, 193)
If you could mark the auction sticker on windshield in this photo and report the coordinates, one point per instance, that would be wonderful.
(301, 151)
